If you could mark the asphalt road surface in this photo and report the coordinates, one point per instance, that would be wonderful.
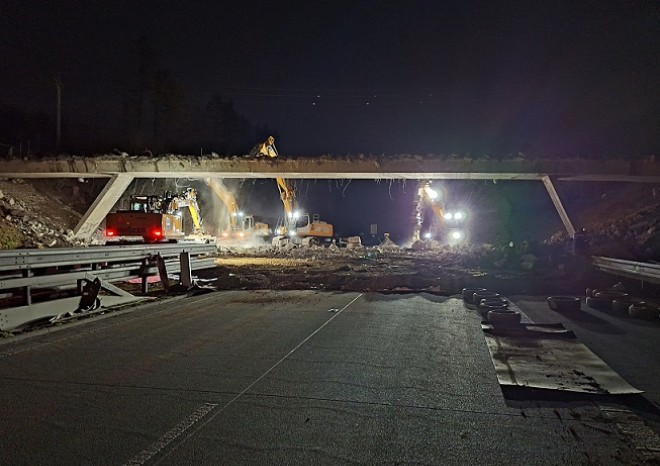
(305, 377)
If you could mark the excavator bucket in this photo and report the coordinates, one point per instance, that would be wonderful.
(265, 149)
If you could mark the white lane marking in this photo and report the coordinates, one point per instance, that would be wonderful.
(245, 390)
(170, 436)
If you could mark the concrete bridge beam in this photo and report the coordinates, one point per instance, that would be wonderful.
(105, 201)
(550, 187)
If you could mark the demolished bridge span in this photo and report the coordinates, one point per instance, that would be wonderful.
(123, 169)
(332, 167)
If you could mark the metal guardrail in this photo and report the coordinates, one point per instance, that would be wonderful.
(28, 269)
(644, 271)
(21, 259)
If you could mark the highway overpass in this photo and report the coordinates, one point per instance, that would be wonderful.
(121, 170)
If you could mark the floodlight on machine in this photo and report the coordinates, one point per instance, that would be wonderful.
(431, 193)
(456, 235)
(428, 235)
(455, 216)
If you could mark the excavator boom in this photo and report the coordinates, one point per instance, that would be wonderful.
(241, 226)
(293, 226)
(287, 193)
(227, 198)
(288, 196)
(187, 199)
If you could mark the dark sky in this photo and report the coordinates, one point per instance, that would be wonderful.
(551, 77)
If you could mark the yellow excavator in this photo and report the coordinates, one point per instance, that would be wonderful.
(295, 227)
(156, 218)
(265, 149)
(449, 225)
(241, 226)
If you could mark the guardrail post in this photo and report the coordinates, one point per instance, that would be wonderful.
(185, 269)
(162, 272)
(27, 290)
(145, 276)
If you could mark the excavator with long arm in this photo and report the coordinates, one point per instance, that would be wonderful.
(288, 197)
(448, 224)
(294, 227)
(241, 226)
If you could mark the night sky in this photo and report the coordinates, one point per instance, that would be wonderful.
(552, 77)
(545, 78)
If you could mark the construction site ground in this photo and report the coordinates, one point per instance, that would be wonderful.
(371, 269)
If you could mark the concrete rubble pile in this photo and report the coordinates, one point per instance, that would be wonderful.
(36, 229)
(468, 255)
(633, 237)
(29, 219)
(440, 269)
(148, 156)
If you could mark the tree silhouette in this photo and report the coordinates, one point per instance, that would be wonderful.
(169, 109)
(25, 133)
(151, 98)
(157, 116)
(226, 130)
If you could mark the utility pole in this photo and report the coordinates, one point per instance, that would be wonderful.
(58, 138)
